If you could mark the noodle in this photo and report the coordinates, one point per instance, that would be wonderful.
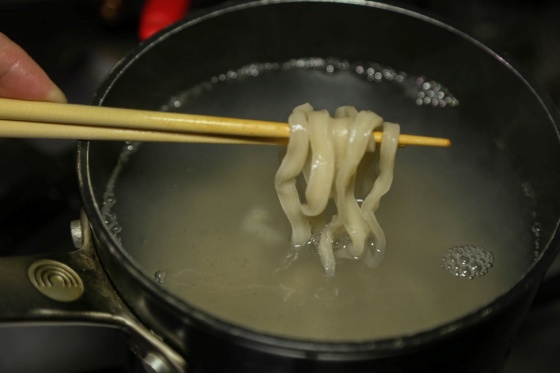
(328, 151)
(290, 167)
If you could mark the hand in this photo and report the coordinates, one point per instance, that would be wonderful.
(22, 78)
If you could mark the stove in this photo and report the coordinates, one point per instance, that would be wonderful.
(78, 41)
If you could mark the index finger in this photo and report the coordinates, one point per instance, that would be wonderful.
(22, 78)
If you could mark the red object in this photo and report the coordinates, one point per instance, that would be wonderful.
(157, 14)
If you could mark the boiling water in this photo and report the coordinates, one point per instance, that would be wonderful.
(204, 221)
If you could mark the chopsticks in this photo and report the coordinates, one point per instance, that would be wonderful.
(33, 119)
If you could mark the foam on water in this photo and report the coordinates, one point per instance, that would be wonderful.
(468, 261)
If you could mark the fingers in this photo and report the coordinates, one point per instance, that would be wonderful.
(22, 78)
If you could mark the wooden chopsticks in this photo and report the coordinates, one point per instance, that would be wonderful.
(32, 119)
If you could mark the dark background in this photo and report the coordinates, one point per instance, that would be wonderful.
(78, 41)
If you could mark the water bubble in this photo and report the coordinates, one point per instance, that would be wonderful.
(537, 229)
(399, 343)
(487, 312)
(109, 217)
(108, 199)
(388, 74)
(159, 277)
(476, 267)
(468, 261)
(528, 190)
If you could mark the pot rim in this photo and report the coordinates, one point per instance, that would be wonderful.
(320, 349)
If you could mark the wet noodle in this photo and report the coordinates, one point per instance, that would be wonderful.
(328, 151)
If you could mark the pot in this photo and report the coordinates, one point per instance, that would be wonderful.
(428, 71)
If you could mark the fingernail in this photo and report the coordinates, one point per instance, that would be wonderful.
(56, 95)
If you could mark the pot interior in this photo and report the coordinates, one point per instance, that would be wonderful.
(203, 223)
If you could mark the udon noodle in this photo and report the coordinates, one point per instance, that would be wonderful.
(328, 151)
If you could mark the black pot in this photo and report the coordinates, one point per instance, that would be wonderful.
(506, 109)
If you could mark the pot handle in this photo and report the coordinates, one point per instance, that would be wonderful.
(73, 287)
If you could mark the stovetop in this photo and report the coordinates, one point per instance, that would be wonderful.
(78, 41)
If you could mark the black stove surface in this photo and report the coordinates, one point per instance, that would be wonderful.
(78, 41)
